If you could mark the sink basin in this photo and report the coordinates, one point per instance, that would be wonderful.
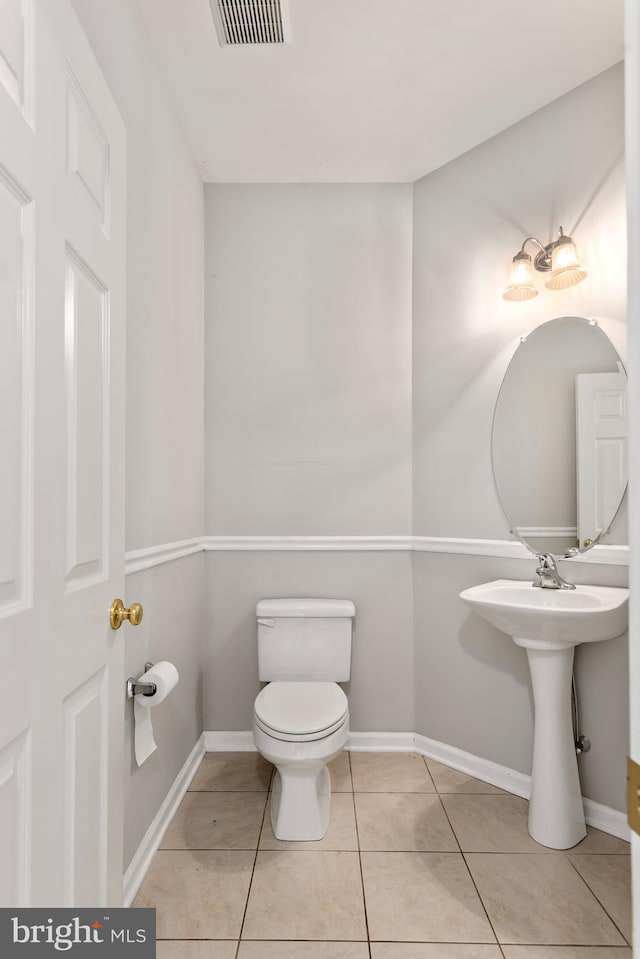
(551, 618)
(550, 623)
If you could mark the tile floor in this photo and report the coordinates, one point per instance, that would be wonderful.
(420, 862)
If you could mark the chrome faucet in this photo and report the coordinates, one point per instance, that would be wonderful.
(548, 575)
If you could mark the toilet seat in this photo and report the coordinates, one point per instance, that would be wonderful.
(300, 712)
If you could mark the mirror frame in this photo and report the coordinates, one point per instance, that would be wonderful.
(574, 551)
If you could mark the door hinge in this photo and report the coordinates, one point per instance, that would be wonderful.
(633, 795)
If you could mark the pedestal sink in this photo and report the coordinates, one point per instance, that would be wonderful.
(550, 623)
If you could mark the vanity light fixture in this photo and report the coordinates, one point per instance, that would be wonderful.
(559, 257)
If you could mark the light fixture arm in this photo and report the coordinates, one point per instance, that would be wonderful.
(531, 239)
(542, 261)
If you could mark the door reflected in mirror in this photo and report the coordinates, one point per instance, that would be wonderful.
(559, 446)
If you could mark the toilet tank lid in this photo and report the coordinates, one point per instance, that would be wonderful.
(309, 608)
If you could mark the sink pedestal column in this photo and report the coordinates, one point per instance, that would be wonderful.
(556, 815)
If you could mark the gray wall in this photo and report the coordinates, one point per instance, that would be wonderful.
(308, 359)
(563, 165)
(164, 383)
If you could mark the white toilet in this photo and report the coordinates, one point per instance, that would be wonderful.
(301, 718)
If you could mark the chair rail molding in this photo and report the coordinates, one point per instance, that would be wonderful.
(512, 549)
(328, 543)
(528, 532)
(141, 559)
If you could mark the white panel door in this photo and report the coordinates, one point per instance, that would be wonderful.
(601, 455)
(62, 274)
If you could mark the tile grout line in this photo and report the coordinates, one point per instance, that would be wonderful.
(355, 817)
(255, 859)
(600, 903)
(464, 860)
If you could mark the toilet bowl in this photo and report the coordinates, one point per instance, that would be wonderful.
(301, 727)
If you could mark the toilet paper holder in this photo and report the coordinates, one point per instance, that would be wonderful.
(134, 687)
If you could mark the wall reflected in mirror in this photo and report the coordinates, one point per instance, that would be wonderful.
(559, 446)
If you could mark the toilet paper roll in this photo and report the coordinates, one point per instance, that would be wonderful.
(165, 677)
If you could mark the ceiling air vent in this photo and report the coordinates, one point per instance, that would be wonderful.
(248, 22)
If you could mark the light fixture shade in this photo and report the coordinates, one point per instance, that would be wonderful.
(520, 286)
(566, 268)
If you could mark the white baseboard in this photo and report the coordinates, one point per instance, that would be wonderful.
(141, 861)
(503, 777)
(381, 742)
(609, 820)
(229, 742)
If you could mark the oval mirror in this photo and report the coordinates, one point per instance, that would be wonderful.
(558, 441)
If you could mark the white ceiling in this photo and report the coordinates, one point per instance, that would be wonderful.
(373, 90)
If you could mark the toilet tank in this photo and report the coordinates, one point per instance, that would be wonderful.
(304, 640)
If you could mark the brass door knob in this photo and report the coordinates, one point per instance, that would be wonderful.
(118, 613)
(587, 542)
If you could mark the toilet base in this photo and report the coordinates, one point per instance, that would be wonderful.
(301, 804)
(301, 795)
